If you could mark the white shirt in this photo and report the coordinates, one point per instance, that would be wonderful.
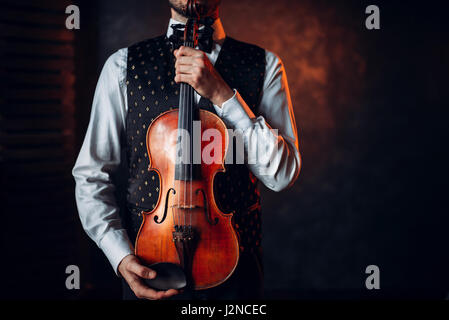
(102, 151)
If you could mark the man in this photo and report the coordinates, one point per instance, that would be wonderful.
(243, 84)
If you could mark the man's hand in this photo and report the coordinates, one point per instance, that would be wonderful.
(133, 271)
(193, 67)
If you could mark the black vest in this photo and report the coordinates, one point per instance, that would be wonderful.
(151, 90)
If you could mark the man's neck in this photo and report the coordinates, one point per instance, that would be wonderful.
(176, 16)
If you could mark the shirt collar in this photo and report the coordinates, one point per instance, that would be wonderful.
(218, 36)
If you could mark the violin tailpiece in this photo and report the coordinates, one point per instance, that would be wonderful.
(184, 240)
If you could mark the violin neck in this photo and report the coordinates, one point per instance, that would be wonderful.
(185, 170)
(187, 101)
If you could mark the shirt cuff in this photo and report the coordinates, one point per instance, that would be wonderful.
(116, 246)
(235, 112)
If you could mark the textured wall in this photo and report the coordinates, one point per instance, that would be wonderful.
(356, 95)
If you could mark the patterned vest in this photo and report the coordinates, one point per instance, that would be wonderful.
(151, 90)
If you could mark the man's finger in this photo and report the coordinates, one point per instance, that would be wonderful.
(181, 77)
(170, 292)
(143, 292)
(190, 61)
(185, 60)
(187, 51)
(142, 271)
(184, 69)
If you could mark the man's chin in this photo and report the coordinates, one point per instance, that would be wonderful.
(180, 9)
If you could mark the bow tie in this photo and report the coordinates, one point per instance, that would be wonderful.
(205, 41)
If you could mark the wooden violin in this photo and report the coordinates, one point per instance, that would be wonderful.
(186, 228)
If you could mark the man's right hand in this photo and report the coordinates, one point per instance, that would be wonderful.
(133, 272)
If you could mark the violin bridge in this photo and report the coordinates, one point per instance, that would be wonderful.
(185, 206)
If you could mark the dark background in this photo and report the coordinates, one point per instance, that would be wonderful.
(370, 107)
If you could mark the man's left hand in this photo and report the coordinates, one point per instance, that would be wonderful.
(194, 67)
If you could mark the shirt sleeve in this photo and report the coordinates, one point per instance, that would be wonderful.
(99, 159)
(270, 138)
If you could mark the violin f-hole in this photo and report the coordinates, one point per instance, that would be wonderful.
(206, 208)
(166, 207)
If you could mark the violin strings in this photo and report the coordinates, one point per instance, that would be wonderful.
(191, 161)
(190, 146)
(191, 154)
(188, 123)
(186, 119)
(186, 92)
(181, 114)
(184, 207)
(178, 201)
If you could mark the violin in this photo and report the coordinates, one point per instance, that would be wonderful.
(186, 238)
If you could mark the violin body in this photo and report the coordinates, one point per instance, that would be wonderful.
(213, 246)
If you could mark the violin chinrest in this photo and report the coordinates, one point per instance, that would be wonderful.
(168, 276)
